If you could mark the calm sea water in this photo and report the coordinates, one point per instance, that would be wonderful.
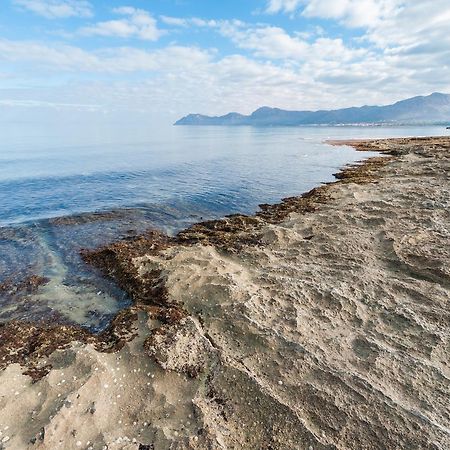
(165, 177)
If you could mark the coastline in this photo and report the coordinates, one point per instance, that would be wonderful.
(242, 297)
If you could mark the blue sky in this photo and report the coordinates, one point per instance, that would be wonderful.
(171, 57)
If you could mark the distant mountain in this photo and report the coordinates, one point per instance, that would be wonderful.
(432, 108)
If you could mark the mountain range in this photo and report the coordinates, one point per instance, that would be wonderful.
(429, 109)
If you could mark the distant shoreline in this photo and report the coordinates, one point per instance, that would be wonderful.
(432, 109)
(443, 124)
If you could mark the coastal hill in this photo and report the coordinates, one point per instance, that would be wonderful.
(432, 108)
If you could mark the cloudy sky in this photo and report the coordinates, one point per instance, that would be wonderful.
(170, 57)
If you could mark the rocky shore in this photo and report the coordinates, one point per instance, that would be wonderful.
(321, 322)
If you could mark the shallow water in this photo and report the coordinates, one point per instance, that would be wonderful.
(166, 178)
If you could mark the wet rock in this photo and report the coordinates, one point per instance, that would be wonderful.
(26, 286)
(27, 343)
(117, 262)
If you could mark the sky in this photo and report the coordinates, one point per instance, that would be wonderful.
(163, 59)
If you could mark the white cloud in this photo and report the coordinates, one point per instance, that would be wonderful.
(269, 42)
(354, 13)
(273, 42)
(189, 22)
(407, 40)
(396, 26)
(276, 44)
(56, 58)
(276, 6)
(136, 23)
(44, 104)
(175, 21)
(416, 23)
(57, 9)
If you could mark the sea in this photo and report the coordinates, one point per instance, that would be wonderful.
(80, 186)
